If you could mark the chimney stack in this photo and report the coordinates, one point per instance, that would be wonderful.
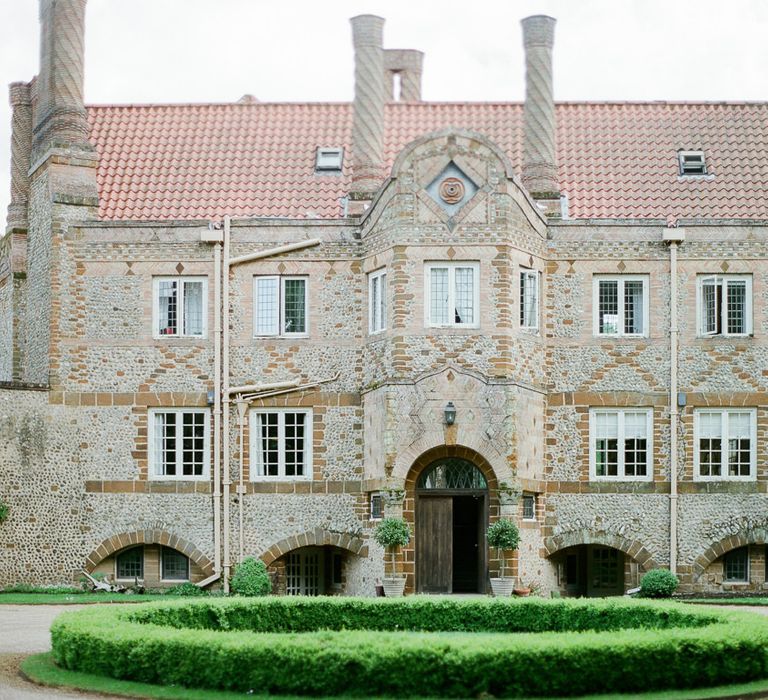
(21, 154)
(539, 159)
(60, 115)
(407, 63)
(368, 110)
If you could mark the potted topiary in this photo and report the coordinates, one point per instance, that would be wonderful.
(393, 533)
(503, 535)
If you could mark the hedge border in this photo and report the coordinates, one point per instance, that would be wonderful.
(730, 647)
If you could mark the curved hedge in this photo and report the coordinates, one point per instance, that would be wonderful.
(415, 646)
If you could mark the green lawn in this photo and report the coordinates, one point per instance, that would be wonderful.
(79, 598)
(727, 601)
(41, 669)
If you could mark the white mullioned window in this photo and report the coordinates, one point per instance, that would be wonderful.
(281, 443)
(452, 294)
(179, 307)
(621, 444)
(377, 301)
(724, 443)
(179, 443)
(529, 299)
(280, 305)
(620, 304)
(174, 565)
(725, 304)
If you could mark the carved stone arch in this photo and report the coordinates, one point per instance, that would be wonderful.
(428, 457)
(725, 545)
(632, 548)
(408, 150)
(115, 543)
(315, 538)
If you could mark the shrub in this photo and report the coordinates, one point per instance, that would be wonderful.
(4, 510)
(503, 534)
(251, 578)
(187, 589)
(659, 583)
(29, 588)
(392, 533)
(626, 646)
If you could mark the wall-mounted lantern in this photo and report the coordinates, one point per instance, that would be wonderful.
(449, 412)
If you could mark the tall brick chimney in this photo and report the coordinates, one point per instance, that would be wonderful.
(406, 63)
(60, 116)
(368, 110)
(21, 154)
(539, 159)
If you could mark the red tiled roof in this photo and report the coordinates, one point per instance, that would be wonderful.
(616, 160)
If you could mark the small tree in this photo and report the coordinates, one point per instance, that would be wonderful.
(503, 534)
(391, 534)
(251, 578)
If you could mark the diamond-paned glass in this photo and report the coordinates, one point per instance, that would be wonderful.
(193, 308)
(465, 295)
(454, 474)
(267, 312)
(438, 295)
(294, 306)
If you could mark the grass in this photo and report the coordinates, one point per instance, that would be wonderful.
(41, 669)
(79, 598)
(756, 601)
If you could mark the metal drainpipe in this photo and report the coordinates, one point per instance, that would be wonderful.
(673, 236)
(217, 410)
(242, 408)
(225, 390)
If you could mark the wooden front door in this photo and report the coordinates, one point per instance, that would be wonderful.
(434, 541)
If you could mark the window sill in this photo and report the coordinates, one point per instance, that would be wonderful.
(179, 479)
(297, 336)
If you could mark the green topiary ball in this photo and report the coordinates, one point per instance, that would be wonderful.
(503, 534)
(392, 532)
(659, 583)
(251, 578)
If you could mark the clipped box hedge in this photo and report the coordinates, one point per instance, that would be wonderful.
(416, 646)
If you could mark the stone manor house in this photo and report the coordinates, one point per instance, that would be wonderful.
(255, 329)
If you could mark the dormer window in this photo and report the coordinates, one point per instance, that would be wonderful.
(329, 160)
(692, 163)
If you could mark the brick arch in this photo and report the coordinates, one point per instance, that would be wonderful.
(315, 538)
(424, 460)
(740, 539)
(115, 543)
(632, 548)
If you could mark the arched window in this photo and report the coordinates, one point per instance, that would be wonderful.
(454, 474)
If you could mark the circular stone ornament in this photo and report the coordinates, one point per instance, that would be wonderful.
(451, 190)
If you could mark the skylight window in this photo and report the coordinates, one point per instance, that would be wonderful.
(329, 159)
(692, 163)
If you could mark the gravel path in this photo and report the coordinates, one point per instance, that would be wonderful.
(25, 630)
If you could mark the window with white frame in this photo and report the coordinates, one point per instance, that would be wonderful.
(281, 444)
(179, 443)
(725, 304)
(621, 444)
(452, 294)
(174, 565)
(621, 305)
(179, 307)
(724, 443)
(280, 305)
(529, 299)
(377, 301)
(529, 506)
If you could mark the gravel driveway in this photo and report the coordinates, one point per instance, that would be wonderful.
(25, 630)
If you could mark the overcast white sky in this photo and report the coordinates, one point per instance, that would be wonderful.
(217, 50)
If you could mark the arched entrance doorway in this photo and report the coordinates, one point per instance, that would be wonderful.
(451, 520)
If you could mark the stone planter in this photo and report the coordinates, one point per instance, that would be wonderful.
(393, 587)
(503, 587)
(522, 592)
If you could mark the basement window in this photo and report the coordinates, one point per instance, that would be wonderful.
(692, 163)
(329, 160)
